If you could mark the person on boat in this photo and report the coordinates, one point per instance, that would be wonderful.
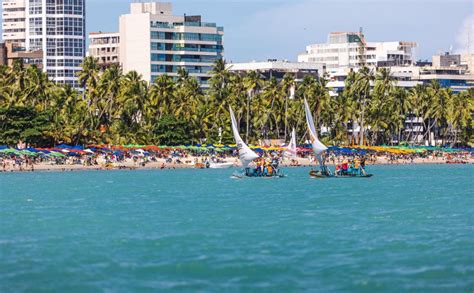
(269, 170)
(325, 171)
(265, 168)
(259, 169)
(247, 172)
(338, 170)
(356, 167)
(275, 162)
(362, 166)
(351, 170)
(345, 167)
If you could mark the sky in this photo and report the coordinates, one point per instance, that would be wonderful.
(275, 29)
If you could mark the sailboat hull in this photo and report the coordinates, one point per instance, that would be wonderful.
(221, 165)
(250, 173)
(318, 175)
(241, 176)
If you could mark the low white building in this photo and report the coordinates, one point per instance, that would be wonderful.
(349, 49)
(13, 23)
(278, 69)
(105, 47)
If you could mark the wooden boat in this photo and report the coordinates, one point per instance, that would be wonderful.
(221, 165)
(456, 162)
(319, 175)
(200, 166)
(319, 149)
(251, 173)
(247, 156)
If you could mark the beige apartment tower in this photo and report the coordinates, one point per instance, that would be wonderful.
(155, 42)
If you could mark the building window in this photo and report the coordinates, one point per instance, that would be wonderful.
(158, 57)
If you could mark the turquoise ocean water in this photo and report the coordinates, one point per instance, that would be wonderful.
(409, 228)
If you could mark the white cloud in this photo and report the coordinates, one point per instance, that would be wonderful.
(465, 36)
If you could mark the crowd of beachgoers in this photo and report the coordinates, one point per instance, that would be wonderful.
(67, 158)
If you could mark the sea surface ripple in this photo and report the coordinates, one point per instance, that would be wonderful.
(409, 228)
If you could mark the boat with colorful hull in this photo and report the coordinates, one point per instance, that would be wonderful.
(320, 175)
(247, 156)
(320, 150)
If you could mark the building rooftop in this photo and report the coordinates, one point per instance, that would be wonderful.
(152, 7)
(274, 65)
(102, 33)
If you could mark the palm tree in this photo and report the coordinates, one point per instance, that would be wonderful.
(362, 94)
(381, 96)
(37, 86)
(436, 108)
(238, 99)
(348, 104)
(130, 117)
(219, 80)
(252, 83)
(161, 95)
(288, 85)
(89, 74)
(108, 88)
(419, 106)
(271, 94)
(399, 109)
(117, 108)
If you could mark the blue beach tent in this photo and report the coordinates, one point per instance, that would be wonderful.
(33, 150)
(64, 146)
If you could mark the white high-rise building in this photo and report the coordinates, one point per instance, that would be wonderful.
(155, 42)
(56, 27)
(350, 50)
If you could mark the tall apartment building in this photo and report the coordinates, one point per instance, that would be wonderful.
(55, 27)
(349, 49)
(105, 47)
(155, 42)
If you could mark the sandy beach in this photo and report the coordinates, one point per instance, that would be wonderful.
(188, 163)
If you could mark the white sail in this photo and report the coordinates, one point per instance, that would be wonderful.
(290, 151)
(246, 155)
(318, 147)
